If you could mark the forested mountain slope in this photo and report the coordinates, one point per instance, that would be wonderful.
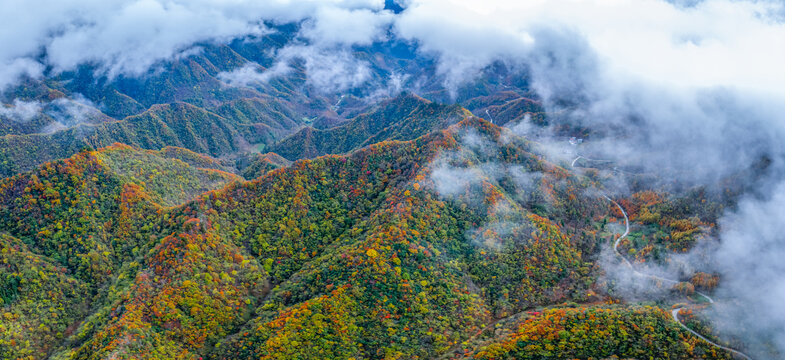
(70, 227)
(405, 117)
(375, 254)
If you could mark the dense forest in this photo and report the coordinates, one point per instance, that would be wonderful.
(349, 256)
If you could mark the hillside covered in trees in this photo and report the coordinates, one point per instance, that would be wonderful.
(372, 254)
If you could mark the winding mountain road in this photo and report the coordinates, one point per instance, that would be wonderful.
(587, 159)
(675, 311)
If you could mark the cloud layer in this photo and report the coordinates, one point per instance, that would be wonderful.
(717, 43)
(713, 43)
(750, 261)
(20, 110)
(129, 36)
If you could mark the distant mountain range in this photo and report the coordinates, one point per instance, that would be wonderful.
(185, 103)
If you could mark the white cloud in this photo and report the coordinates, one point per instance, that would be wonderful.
(751, 265)
(713, 43)
(129, 36)
(464, 39)
(327, 69)
(253, 73)
(329, 63)
(14, 70)
(338, 26)
(20, 110)
(70, 112)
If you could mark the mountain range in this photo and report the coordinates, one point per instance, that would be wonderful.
(181, 215)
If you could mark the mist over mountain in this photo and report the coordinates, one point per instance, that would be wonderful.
(392, 179)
